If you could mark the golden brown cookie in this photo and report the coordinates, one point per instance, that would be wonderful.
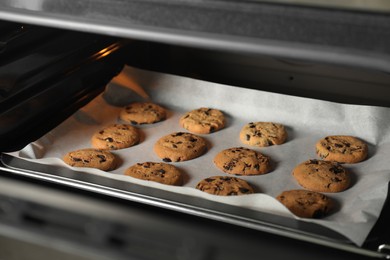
(203, 120)
(158, 172)
(242, 161)
(91, 158)
(306, 204)
(180, 146)
(142, 113)
(114, 137)
(224, 186)
(322, 176)
(342, 149)
(263, 134)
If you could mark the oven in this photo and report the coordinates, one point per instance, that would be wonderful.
(68, 67)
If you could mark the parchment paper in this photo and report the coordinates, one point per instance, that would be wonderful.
(307, 121)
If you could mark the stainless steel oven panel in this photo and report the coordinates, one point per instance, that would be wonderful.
(337, 36)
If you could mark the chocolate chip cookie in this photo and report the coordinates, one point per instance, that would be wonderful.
(203, 120)
(263, 134)
(180, 146)
(306, 204)
(91, 158)
(224, 186)
(116, 136)
(142, 113)
(322, 176)
(158, 172)
(242, 161)
(342, 149)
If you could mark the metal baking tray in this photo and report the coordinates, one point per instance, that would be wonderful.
(261, 221)
(198, 206)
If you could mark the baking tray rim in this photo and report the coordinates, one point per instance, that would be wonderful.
(201, 207)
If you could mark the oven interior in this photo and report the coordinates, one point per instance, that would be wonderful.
(48, 72)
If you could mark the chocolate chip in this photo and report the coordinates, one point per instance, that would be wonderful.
(257, 133)
(167, 160)
(248, 137)
(313, 161)
(102, 158)
(160, 173)
(178, 134)
(212, 129)
(134, 122)
(336, 169)
(75, 159)
(338, 145)
(109, 139)
(229, 166)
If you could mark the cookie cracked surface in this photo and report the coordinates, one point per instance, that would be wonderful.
(342, 149)
(242, 161)
(158, 172)
(180, 146)
(116, 136)
(203, 120)
(225, 186)
(263, 134)
(142, 113)
(322, 176)
(306, 204)
(91, 158)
